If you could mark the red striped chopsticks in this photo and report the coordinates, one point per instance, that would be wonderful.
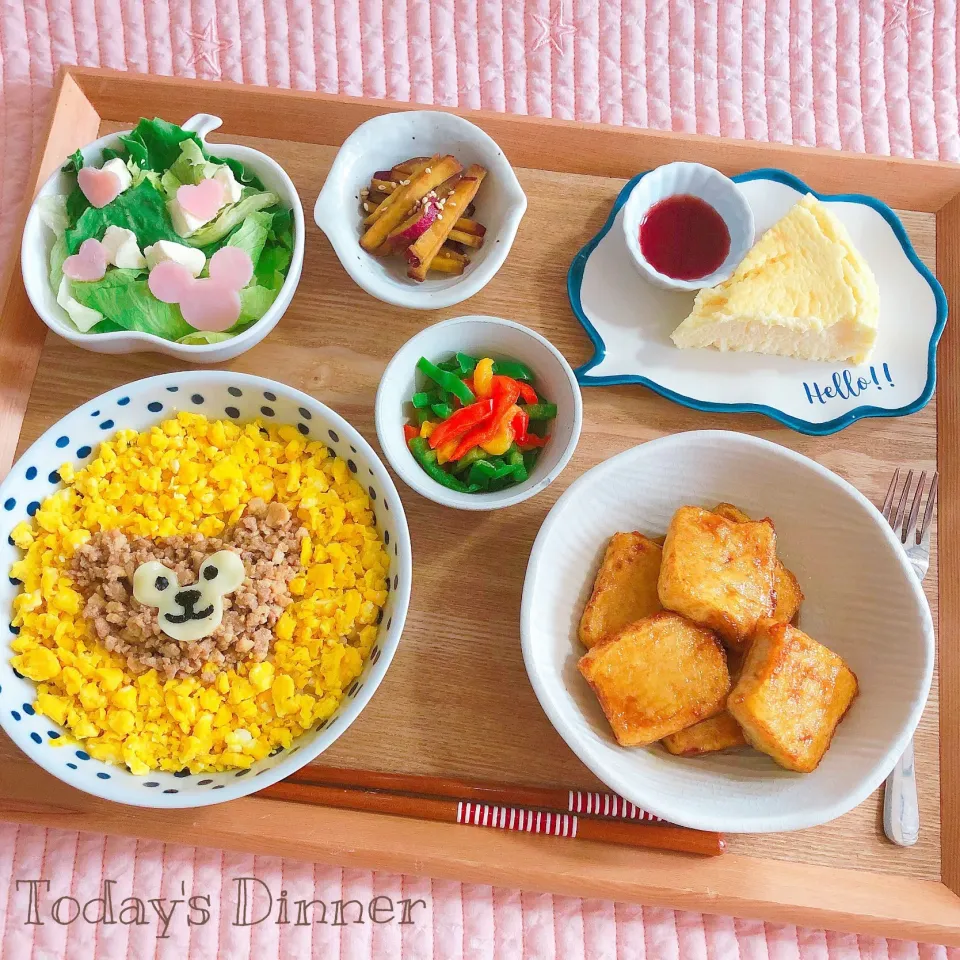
(499, 806)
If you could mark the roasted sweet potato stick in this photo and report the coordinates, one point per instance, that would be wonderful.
(394, 196)
(383, 186)
(466, 225)
(444, 264)
(413, 165)
(428, 245)
(467, 239)
(418, 187)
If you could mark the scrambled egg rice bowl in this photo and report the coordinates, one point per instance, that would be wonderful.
(191, 475)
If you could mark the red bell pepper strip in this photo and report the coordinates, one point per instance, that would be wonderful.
(459, 422)
(505, 393)
(409, 432)
(527, 393)
(525, 440)
(520, 424)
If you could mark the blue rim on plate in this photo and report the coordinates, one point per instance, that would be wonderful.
(575, 280)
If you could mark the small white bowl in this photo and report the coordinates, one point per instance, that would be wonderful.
(480, 336)
(861, 600)
(391, 138)
(75, 439)
(710, 186)
(38, 241)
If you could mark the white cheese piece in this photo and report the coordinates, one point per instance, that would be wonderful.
(121, 249)
(118, 167)
(232, 190)
(164, 250)
(183, 222)
(83, 317)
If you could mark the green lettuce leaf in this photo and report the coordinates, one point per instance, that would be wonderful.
(251, 235)
(111, 154)
(169, 184)
(192, 165)
(53, 212)
(273, 261)
(74, 162)
(105, 326)
(77, 203)
(125, 299)
(141, 209)
(281, 229)
(241, 174)
(58, 253)
(206, 336)
(155, 144)
(232, 217)
(254, 303)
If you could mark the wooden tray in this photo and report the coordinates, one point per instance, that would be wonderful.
(457, 700)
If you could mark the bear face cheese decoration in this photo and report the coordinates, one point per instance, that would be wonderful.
(192, 612)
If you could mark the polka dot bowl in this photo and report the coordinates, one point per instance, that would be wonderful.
(139, 405)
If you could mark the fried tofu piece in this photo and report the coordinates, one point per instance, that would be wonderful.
(719, 573)
(656, 677)
(791, 695)
(789, 594)
(625, 589)
(708, 736)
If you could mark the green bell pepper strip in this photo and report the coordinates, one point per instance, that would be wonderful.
(513, 369)
(428, 460)
(421, 400)
(423, 416)
(442, 410)
(515, 459)
(451, 366)
(481, 473)
(446, 380)
(467, 363)
(467, 460)
(541, 411)
(530, 460)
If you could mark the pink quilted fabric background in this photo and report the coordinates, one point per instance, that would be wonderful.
(878, 77)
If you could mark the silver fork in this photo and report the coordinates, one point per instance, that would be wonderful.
(901, 812)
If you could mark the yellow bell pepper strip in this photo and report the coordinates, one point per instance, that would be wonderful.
(446, 381)
(460, 421)
(505, 393)
(502, 440)
(483, 377)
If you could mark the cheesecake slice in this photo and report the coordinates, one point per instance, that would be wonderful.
(802, 291)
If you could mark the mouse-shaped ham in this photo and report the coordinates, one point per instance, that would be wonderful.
(207, 303)
(192, 612)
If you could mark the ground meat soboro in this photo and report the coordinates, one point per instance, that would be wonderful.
(267, 538)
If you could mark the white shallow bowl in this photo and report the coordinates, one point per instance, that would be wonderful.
(389, 139)
(139, 405)
(710, 186)
(480, 336)
(862, 601)
(38, 242)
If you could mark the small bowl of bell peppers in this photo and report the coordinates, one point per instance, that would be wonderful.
(478, 413)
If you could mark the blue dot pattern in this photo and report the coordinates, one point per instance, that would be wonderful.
(155, 406)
